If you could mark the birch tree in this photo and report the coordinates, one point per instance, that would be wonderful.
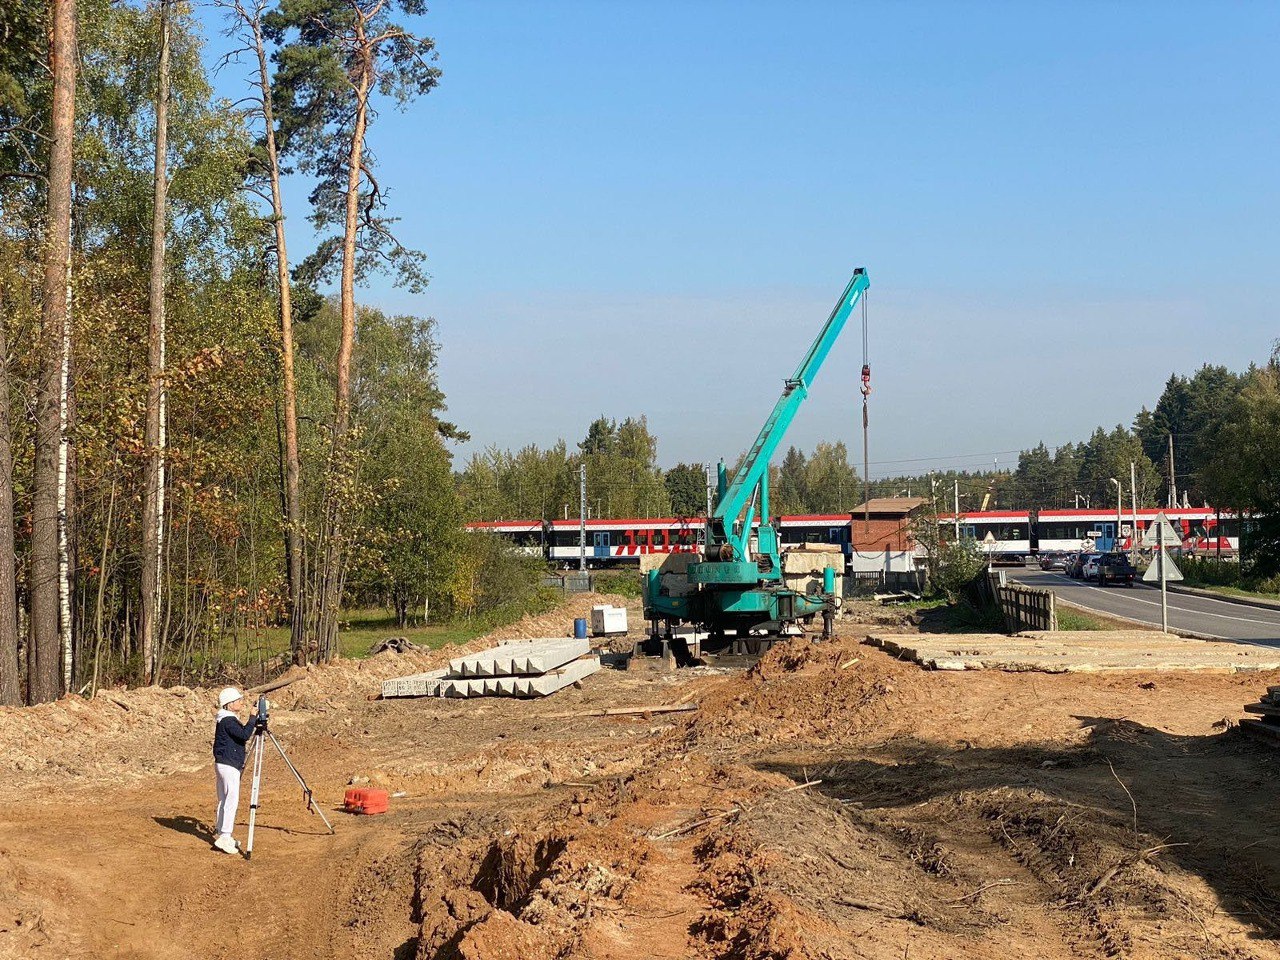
(43, 667)
(153, 512)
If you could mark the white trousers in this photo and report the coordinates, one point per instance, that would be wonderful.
(228, 797)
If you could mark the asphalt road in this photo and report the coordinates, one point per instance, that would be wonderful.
(1202, 615)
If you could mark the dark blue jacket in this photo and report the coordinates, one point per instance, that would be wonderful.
(229, 738)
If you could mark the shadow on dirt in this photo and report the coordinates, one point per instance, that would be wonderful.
(188, 825)
(1127, 794)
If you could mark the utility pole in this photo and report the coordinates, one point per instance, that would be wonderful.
(706, 469)
(1115, 540)
(957, 513)
(1133, 502)
(1164, 587)
(582, 516)
(1173, 478)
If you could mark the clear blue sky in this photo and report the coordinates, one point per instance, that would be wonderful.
(648, 208)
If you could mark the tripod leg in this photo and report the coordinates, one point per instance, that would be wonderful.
(253, 795)
(306, 791)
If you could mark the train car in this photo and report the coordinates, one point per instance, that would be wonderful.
(821, 528)
(1214, 535)
(1064, 531)
(527, 536)
(609, 542)
(1003, 535)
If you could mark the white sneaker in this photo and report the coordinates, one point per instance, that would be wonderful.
(226, 844)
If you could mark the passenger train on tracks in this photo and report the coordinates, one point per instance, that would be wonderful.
(1004, 535)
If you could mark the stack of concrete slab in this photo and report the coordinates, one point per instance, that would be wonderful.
(802, 569)
(525, 668)
(1268, 724)
(1077, 651)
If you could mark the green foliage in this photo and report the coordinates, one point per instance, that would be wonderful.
(823, 482)
(492, 582)
(686, 485)
(623, 478)
(625, 583)
(328, 52)
(951, 566)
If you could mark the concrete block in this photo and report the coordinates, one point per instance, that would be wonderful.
(539, 685)
(418, 685)
(525, 657)
(675, 563)
(812, 561)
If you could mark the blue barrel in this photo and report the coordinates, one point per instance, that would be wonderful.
(580, 628)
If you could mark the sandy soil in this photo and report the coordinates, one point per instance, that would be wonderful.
(828, 802)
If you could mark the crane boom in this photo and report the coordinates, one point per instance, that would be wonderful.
(737, 584)
(753, 472)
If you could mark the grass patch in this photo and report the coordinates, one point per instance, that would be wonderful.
(1070, 619)
(938, 616)
(1238, 591)
(359, 630)
(626, 584)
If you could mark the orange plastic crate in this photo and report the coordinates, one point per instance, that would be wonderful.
(367, 800)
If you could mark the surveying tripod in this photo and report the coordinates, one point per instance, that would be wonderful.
(260, 737)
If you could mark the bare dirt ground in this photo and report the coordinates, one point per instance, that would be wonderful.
(828, 802)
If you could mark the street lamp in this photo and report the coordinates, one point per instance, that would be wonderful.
(1115, 543)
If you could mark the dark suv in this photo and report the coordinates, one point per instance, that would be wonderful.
(1115, 568)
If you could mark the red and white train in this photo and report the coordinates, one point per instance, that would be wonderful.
(1001, 534)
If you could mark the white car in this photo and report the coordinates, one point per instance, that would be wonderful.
(1090, 569)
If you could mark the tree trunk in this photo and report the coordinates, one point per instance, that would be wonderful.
(43, 668)
(292, 463)
(153, 494)
(333, 552)
(64, 513)
(10, 692)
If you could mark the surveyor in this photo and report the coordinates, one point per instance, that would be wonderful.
(229, 739)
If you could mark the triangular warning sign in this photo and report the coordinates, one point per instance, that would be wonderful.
(1171, 572)
(989, 538)
(1161, 531)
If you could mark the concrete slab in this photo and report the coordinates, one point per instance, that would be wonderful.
(525, 657)
(1068, 651)
(521, 686)
(418, 685)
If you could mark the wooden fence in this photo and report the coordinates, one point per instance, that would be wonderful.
(1025, 608)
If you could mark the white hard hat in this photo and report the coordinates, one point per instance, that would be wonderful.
(229, 695)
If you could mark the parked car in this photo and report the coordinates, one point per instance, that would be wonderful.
(1114, 568)
(1075, 570)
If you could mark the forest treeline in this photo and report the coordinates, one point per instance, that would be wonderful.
(1210, 437)
(193, 441)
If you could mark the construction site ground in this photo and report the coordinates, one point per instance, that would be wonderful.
(829, 801)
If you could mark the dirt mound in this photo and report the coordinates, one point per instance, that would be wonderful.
(803, 690)
(119, 734)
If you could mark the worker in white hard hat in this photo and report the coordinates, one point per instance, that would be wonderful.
(229, 739)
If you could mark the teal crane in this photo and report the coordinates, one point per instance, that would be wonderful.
(738, 582)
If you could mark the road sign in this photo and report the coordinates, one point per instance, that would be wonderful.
(1161, 532)
(989, 538)
(1171, 572)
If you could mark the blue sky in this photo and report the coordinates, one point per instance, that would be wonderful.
(648, 208)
